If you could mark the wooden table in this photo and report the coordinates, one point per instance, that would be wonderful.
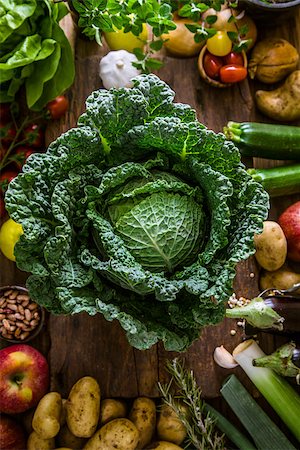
(83, 345)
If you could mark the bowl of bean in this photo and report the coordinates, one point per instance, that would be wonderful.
(21, 319)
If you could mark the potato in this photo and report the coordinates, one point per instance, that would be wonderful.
(111, 409)
(118, 434)
(283, 278)
(46, 418)
(67, 439)
(163, 445)
(270, 246)
(143, 415)
(83, 407)
(283, 103)
(35, 442)
(169, 426)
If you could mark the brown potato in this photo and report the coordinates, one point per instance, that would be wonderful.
(35, 442)
(283, 103)
(163, 445)
(46, 418)
(143, 415)
(83, 407)
(270, 246)
(283, 278)
(111, 409)
(67, 439)
(118, 434)
(169, 426)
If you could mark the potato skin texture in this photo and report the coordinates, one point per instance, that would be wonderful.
(67, 439)
(270, 246)
(111, 409)
(35, 442)
(118, 434)
(163, 445)
(46, 418)
(83, 407)
(283, 278)
(169, 426)
(143, 415)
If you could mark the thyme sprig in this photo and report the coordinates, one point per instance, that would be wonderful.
(200, 426)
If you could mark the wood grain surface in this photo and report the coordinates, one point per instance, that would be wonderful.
(83, 345)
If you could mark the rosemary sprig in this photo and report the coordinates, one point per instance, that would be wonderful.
(200, 426)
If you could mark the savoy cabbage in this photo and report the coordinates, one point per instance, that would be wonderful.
(140, 214)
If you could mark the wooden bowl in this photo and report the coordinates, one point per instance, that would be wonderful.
(211, 81)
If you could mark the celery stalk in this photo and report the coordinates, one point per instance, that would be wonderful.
(276, 390)
(263, 431)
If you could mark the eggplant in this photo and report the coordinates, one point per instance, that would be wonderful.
(275, 313)
(285, 361)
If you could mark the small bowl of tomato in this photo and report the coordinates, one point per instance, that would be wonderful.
(222, 71)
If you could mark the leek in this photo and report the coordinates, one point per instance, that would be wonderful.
(276, 390)
(263, 431)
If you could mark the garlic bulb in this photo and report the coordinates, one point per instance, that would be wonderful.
(116, 69)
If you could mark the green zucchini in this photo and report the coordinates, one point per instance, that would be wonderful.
(277, 181)
(265, 140)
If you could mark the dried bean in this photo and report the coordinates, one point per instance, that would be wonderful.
(12, 306)
(8, 292)
(13, 295)
(20, 325)
(25, 303)
(2, 316)
(28, 314)
(2, 301)
(6, 324)
(21, 309)
(24, 335)
(32, 306)
(11, 317)
(22, 297)
(19, 316)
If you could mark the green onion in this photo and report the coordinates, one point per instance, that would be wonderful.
(230, 430)
(263, 431)
(276, 390)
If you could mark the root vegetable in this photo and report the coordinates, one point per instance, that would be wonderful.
(271, 246)
(272, 60)
(283, 103)
(46, 419)
(169, 426)
(143, 415)
(180, 42)
(283, 278)
(111, 409)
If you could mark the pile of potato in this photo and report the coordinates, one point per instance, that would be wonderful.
(271, 255)
(84, 421)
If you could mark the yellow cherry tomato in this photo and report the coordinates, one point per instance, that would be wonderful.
(118, 40)
(219, 44)
(10, 233)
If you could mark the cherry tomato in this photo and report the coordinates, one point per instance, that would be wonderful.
(232, 73)
(5, 113)
(58, 107)
(6, 177)
(23, 153)
(7, 133)
(219, 44)
(2, 207)
(212, 65)
(234, 58)
(34, 135)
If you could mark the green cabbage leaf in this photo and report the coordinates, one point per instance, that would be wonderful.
(140, 213)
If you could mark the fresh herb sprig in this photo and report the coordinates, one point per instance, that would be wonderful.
(200, 426)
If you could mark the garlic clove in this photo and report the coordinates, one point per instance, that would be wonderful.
(223, 358)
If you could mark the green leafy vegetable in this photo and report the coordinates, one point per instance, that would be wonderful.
(140, 213)
(34, 51)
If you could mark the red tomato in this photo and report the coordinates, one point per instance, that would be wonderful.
(232, 73)
(6, 177)
(5, 113)
(2, 207)
(58, 106)
(212, 65)
(234, 58)
(7, 133)
(34, 135)
(23, 153)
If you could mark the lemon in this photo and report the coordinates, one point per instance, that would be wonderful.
(10, 233)
(118, 40)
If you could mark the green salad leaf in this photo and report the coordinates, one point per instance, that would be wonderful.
(140, 213)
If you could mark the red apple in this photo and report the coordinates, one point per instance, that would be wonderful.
(24, 378)
(12, 436)
(289, 221)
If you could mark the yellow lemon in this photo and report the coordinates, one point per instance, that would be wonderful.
(118, 40)
(10, 233)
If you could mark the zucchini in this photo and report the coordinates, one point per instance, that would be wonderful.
(277, 181)
(264, 140)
